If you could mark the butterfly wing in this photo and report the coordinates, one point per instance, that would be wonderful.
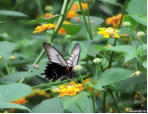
(74, 57)
(53, 55)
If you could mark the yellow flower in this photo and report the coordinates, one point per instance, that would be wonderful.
(87, 80)
(71, 14)
(66, 22)
(108, 32)
(70, 89)
(115, 20)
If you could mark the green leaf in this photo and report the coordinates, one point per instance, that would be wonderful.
(81, 103)
(5, 105)
(14, 91)
(6, 48)
(14, 77)
(12, 13)
(95, 20)
(72, 29)
(141, 50)
(43, 20)
(113, 2)
(138, 11)
(52, 105)
(128, 51)
(112, 75)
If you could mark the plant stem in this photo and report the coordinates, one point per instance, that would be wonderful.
(93, 99)
(111, 93)
(81, 79)
(7, 68)
(96, 71)
(104, 101)
(38, 2)
(115, 41)
(85, 22)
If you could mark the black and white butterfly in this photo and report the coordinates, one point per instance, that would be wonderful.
(59, 68)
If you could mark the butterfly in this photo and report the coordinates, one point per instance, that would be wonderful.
(59, 68)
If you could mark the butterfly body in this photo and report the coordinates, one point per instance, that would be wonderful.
(55, 71)
(58, 68)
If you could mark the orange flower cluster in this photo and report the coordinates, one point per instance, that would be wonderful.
(48, 26)
(20, 101)
(76, 6)
(39, 92)
(70, 89)
(72, 13)
(44, 27)
(115, 20)
(48, 15)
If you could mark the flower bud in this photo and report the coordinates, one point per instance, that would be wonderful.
(1, 57)
(140, 34)
(137, 72)
(12, 58)
(126, 24)
(48, 8)
(36, 66)
(68, 36)
(78, 67)
(97, 60)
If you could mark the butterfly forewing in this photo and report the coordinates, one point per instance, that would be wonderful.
(74, 57)
(53, 55)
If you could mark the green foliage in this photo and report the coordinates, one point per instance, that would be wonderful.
(5, 105)
(6, 48)
(127, 50)
(17, 76)
(12, 13)
(14, 91)
(43, 20)
(81, 103)
(71, 29)
(49, 106)
(113, 75)
(137, 10)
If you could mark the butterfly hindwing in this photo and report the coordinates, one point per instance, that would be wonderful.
(74, 57)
